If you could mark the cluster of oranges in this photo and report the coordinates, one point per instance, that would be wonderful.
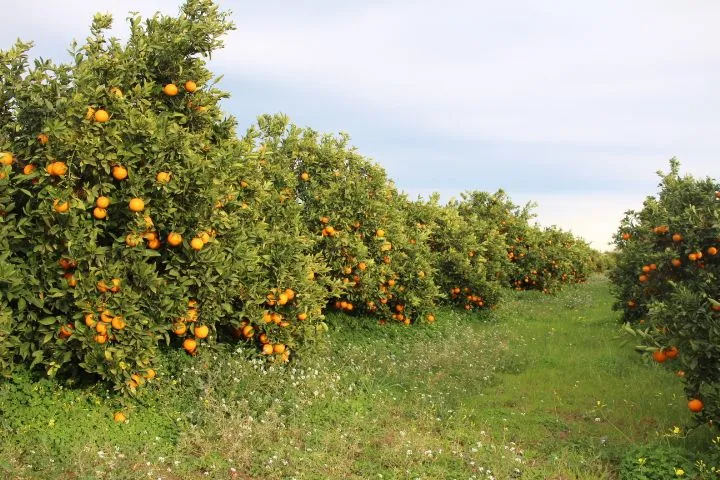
(466, 295)
(181, 328)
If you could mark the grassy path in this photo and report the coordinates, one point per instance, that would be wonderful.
(541, 388)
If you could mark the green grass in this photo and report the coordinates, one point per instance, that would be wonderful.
(543, 387)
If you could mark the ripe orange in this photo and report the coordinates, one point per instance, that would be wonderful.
(99, 213)
(672, 352)
(248, 331)
(201, 331)
(116, 285)
(71, 280)
(282, 299)
(652, 266)
(101, 338)
(57, 169)
(28, 169)
(170, 90)
(190, 86)
(101, 328)
(102, 286)
(136, 205)
(43, 139)
(431, 318)
(190, 345)
(267, 349)
(659, 356)
(329, 230)
(102, 202)
(118, 323)
(204, 236)
(692, 257)
(106, 316)
(380, 233)
(6, 158)
(174, 239)
(305, 176)
(153, 244)
(179, 329)
(279, 348)
(324, 220)
(676, 262)
(677, 237)
(132, 240)
(695, 405)
(197, 243)
(302, 316)
(119, 172)
(712, 251)
(150, 374)
(646, 268)
(90, 320)
(119, 417)
(626, 236)
(163, 177)
(101, 116)
(61, 207)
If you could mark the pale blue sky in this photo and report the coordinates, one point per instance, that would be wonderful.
(572, 104)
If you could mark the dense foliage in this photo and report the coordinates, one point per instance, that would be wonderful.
(666, 282)
(132, 215)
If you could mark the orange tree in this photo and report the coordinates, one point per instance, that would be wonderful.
(542, 259)
(359, 222)
(666, 281)
(468, 252)
(117, 230)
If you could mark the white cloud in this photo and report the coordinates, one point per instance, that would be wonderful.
(633, 73)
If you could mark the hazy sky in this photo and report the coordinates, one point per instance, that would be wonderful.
(572, 104)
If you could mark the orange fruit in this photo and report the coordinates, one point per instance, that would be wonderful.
(179, 328)
(43, 138)
(197, 243)
(643, 278)
(652, 266)
(305, 176)
(71, 280)
(695, 405)
(132, 240)
(282, 299)
(136, 205)
(102, 202)
(677, 237)
(153, 244)
(174, 239)
(6, 158)
(99, 213)
(431, 318)
(106, 316)
(102, 286)
(190, 86)
(672, 352)
(28, 169)
(248, 331)
(118, 323)
(170, 90)
(101, 338)
(712, 251)
(279, 348)
(61, 207)
(119, 417)
(201, 331)
(101, 116)
(150, 374)
(676, 262)
(119, 172)
(57, 169)
(659, 356)
(302, 316)
(646, 268)
(380, 233)
(626, 236)
(204, 236)
(90, 320)
(267, 349)
(101, 328)
(190, 345)
(692, 257)
(163, 177)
